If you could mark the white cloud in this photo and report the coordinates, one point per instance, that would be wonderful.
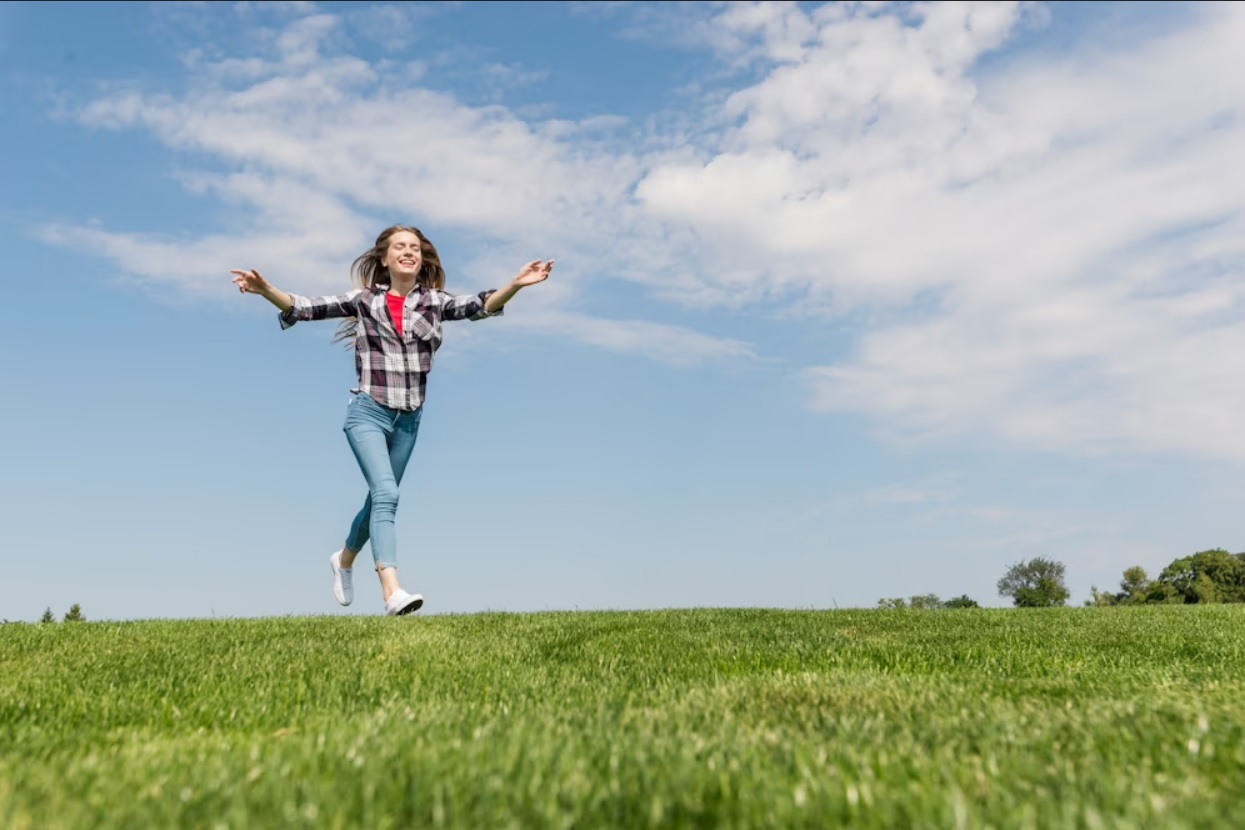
(273, 6)
(1065, 233)
(1052, 244)
(929, 496)
(505, 76)
(305, 242)
(321, 145)
(671, 345)
(390, 26)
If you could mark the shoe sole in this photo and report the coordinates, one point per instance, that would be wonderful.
(415, 605)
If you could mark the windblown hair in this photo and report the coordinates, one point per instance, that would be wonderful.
(369, 271)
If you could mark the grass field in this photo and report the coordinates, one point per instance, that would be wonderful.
(1085, 717)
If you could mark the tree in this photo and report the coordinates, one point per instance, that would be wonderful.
(892, 604)
(962, 601)
(1209, 576)
(1037, 583)
(925, 601)
(75, 614)
(1101, 598)
(1134, 589)
(1134, 586)
(1204, 577)
(47, 617)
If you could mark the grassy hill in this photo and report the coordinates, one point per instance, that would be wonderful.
(1086, 717)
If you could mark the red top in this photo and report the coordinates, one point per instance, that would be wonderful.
(395, 309)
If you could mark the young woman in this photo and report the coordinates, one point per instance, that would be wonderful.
(394, 318)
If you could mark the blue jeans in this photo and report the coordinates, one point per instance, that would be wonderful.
(382, 440)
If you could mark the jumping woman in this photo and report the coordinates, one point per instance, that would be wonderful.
(394, 317)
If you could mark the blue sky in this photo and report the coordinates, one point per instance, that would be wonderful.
(852, 300)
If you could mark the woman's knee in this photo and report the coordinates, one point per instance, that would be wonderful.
(385, 497)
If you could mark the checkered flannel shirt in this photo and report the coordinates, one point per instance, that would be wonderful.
(393, 366)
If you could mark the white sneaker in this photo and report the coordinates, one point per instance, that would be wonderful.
(343, 580)
(403, 603)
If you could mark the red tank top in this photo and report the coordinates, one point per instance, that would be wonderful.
(395, 309)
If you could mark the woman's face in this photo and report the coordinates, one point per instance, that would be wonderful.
(402, 257)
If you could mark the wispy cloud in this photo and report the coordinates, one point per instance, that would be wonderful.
(392, 26)
(1050, 247)
(321, 143)
(671, 345)
(1063, 234)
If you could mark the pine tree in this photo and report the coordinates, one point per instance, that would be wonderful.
(47, 617)
(75, 614)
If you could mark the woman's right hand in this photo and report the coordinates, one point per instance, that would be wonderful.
(250, 282)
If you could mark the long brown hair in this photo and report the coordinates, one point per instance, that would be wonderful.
(369, 271)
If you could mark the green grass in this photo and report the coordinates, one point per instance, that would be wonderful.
(1087, 717)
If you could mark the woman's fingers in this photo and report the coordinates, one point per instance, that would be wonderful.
(248, 282)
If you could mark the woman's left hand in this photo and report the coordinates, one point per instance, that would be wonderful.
(532, 273)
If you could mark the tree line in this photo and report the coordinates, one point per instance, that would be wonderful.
(1209, 576)
(74, 614)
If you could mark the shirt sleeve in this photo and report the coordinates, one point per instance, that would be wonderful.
(320, 308)
(467, 306)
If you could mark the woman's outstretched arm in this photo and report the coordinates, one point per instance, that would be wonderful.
(295, 307)
(250, 282)
(532, 273)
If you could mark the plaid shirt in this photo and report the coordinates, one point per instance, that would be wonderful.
(392, 365)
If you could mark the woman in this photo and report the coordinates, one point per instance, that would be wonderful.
(394, 318)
